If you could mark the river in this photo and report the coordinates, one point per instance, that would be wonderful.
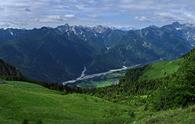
(84, 77)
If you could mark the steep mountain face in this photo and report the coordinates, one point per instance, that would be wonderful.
(60, 54)
(9, 72)
(43, 54)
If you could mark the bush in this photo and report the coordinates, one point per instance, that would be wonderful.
(39, 122)
(25, 121)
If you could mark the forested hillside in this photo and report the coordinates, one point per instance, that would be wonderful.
(159, 86)
(157, 93)
(9, 72)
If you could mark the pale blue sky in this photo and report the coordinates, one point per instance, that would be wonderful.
(117, 13)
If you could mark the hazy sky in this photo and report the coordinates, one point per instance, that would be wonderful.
(117, 13)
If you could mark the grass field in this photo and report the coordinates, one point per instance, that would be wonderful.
(22, 102)
(161, 69)
(178, 116)
(25, 103)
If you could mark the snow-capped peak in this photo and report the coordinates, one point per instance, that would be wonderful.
(100, 29)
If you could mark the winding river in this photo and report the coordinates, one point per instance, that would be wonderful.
(84, 77)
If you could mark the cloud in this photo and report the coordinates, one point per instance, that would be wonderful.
(142, 18)
(69, 16)
(27, 10)
(137, 13)
(182, 16)
(55, 18)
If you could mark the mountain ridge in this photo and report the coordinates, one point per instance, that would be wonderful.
(60, 54)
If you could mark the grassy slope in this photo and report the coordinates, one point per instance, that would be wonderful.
(21, 101)
(121, 93)
(178, 116)
(153, 71)
(161, 69)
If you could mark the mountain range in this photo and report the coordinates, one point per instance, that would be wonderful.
(60, 54)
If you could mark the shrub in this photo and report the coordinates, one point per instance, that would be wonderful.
(25, 121)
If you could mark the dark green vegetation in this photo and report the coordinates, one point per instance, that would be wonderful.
(158, 93)
(60, 54)
(180, 91)
(9, 72)
(28, 103)
(141, 80)
(159, 86)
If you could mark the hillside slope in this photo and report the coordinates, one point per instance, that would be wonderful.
(173, 80)
(9, 72)
(161, 92)
(139, 80)
(129, 102)
(22, 102)
(177, 116)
